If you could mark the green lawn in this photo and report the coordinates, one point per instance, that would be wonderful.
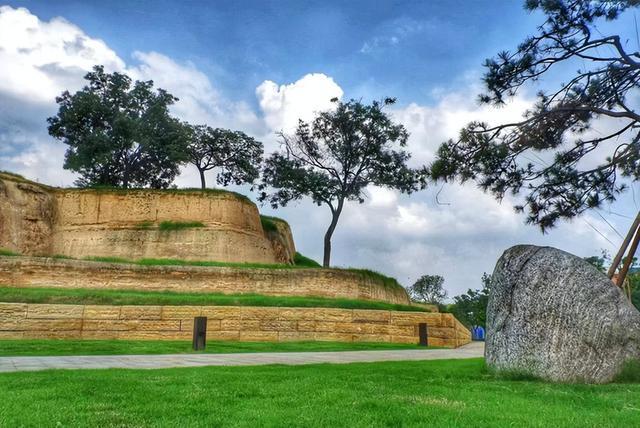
(16, 348)
(81, 296)
(429, 393)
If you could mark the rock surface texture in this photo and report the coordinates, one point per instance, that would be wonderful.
(553, 315)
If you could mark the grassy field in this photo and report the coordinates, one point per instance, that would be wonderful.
(81, 296)
(16, 348)
(428, 393)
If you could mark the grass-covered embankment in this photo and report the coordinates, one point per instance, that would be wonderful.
(301, 262)
(81, 296)
(428, 393)
(52, 347)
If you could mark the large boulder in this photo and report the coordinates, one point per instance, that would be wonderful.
(553, 315)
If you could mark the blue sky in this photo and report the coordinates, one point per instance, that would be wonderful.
(259, 66)
(410, 48)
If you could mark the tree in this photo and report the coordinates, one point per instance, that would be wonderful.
(428, 289)
(505, 158)
(237, 155)
(336, 156)
(471, 307)
(119, 132)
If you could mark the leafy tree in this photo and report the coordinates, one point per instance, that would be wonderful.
(504, 158)
(237, 155)
(471, 308)
(428, 289)
(119, 132)
(601, 262)
(336, 156)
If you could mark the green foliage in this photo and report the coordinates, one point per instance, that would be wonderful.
(236, 155)
(504, 159)
(447, 393)
(336, 156)
(428, 289)
(630, 372)
(471, 308)
(6, 252)
(303, 261)
(79, 296)
(119, 132)
(179, 225)
(269, 223)
(50, 347)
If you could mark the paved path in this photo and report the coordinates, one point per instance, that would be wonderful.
(13, 364)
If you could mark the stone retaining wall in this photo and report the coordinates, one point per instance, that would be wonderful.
(330, 283)
(238, 323)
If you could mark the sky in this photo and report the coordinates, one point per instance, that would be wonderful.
(259, 66)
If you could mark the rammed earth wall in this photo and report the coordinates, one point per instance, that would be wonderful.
(332, 283)
(41, 220)
(28, 321)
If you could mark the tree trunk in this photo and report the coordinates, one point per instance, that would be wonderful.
(202, 179)
(326, 262)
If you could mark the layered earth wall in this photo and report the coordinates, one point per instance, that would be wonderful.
(331, 283)
(40, 220)
(30, 321)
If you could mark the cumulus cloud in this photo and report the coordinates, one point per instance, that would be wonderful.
(283, 105)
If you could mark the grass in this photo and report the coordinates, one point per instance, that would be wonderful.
(407, 394)
(6, 252)
(47, 347)
(630, 372)
(300, 260)
(80, 296)
(179, 225)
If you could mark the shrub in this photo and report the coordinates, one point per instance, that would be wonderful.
(179, 225)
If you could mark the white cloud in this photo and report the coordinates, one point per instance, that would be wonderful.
(41, 59)
(283, 105)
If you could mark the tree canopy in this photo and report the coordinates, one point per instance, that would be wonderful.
(471, 307)
(428, 289)
(236, 155)
(582, 167)
(119, 132)
(336, 156)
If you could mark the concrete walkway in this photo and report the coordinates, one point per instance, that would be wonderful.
(14, 364)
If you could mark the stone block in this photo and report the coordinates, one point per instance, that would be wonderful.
(334, 315)
(371, 316)
(333, 337)
(96, 312)
(295, 336)
(11, 311)
(259, 336)
(222, 335)
(180, 312)
(259, 313)
(54, 311)
(221, 312)
(141, 312)
(371, 338)
(278, 325)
